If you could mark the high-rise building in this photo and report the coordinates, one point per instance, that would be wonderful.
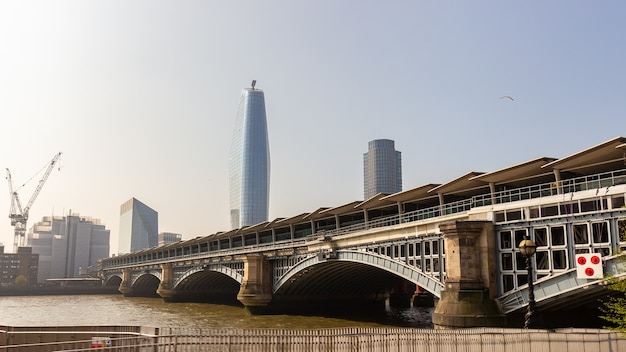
(67, 244)
(249, 164)
(18, 269)
(382, 168)
(139, 227)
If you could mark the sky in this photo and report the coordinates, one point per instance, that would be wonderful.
(141, 97)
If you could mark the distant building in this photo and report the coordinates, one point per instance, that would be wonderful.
(249, 164)
(67, 244)
(382, 168)
(18, 269)
(169, 237)
(139, 227)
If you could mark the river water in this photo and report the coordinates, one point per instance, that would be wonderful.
(119, 310)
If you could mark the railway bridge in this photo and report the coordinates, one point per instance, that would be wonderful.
(456, 241)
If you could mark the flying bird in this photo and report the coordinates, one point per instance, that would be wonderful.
(507, 97)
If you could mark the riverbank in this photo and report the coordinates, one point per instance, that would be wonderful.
(58, 290)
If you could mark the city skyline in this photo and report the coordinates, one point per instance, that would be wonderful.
(145, 108)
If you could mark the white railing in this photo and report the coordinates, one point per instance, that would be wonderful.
(347, 339)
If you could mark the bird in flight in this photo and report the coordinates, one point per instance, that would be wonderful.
(507, 97)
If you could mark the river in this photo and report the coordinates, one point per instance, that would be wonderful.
(118, 310)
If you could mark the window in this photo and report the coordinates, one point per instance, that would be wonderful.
(580, 234)
(559, 259)
(600, 232)
(520, 235)
(505, 240)
(507, 261)
(514, 215)
(534, 212)
(550, 210)
(621, 227)
(541, 237)
(543, 260)
(557, 236)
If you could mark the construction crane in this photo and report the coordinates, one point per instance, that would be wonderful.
(19, 214)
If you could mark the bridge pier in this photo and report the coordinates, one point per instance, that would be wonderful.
(125, 287)
(256, 289)
(467, 299)
(165, 289)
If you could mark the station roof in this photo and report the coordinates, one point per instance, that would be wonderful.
(516, 175)
(293, 220)
(461, 185)
(372, 202)
(315, 214)
(597, 159)
(419, 192)
(342, 209)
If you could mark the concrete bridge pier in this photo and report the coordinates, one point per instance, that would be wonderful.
(125, 287)
(165, 289)
(467, 299)
(256, 290)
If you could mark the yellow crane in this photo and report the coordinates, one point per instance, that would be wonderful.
(19, 214)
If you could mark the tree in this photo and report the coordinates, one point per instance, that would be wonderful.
(21, 280)
(614, 307)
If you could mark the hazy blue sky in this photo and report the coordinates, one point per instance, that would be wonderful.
(141, 96)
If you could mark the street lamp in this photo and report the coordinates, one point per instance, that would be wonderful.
(527, 249)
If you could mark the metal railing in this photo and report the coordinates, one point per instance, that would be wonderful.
(346, 339)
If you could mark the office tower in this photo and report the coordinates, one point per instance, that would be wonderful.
(67, 244)
(249, 164)
(139, 227)
(382, 168)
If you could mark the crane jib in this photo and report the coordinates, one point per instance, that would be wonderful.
(19, 214)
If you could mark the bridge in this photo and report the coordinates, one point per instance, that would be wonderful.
(455, 241)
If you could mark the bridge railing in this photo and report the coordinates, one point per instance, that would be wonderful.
(346, 339)
(597, 181)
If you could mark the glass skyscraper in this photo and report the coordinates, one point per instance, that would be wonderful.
(382, 168)
(249, 164)
(139, 227)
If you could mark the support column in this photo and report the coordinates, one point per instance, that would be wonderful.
(256, 289)
(468, 297)
(125, 287)
(166, 290)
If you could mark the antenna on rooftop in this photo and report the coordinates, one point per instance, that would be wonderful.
(253, 83)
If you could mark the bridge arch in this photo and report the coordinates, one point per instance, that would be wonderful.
(140, 277)
(113, 280)
(387, 264)
(218, 268)
(146, 283)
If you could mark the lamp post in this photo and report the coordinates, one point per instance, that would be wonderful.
(527, 249)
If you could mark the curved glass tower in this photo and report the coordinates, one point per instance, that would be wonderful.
(249, 164)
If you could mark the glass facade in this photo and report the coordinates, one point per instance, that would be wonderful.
(382, 168)
(139, 227)
(249, 164)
